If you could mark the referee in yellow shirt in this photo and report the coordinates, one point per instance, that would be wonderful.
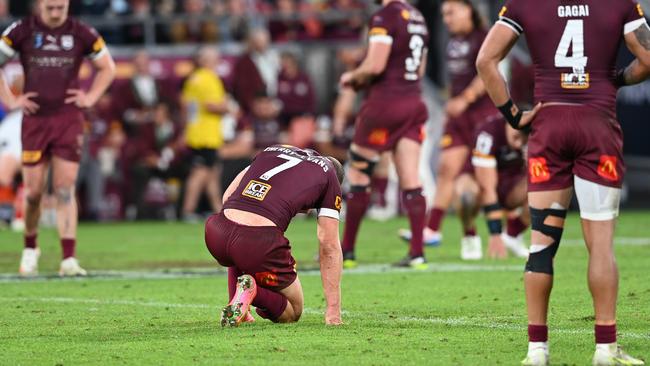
(204, 101)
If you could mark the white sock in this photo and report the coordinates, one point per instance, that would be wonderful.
(536, 345)
(610, 347)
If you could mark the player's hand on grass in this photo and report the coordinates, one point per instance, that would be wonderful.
(528, 116)
(333, 317)
(79, 98)
(25, 103)
(496, 248)
(456, 106)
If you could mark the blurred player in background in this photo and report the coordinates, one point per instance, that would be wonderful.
(500, 170)
(391, 119)
(248, 235)
(575, 142)
(52, 47)
(468, 107)
(11, 201)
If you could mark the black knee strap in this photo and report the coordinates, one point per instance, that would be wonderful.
(542, 261)
(364, 165)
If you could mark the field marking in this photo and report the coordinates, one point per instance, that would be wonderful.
(619, 240)
(477, 322)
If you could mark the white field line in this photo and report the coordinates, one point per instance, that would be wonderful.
(471, 322)
(618, 241)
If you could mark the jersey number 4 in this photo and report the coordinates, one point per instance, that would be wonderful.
(573, 37)
(290, 163)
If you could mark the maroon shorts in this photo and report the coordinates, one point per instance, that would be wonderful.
(59, 134)
(461, 131)
(382, 123)
(507, 183)
(568, 140)
(260, 251)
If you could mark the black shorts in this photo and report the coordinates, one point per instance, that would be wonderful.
(204, 157)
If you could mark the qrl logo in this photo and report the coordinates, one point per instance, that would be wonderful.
(538, 170)
(607, 168)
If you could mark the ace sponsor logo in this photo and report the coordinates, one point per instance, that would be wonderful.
(256, 190)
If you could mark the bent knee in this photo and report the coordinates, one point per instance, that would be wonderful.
(64, 194)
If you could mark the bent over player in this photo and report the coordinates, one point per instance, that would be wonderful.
(52, 47)
(247, 236)
(391, 119)
(575, 142)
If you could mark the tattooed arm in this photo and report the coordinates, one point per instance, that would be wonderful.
(638, 42)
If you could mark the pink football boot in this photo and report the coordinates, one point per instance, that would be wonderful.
(237, 310)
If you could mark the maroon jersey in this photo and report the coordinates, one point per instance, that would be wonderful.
(51, 57)
(574, 45)
(462, 51)
(283, 180)
(401, 26)
(493, 151)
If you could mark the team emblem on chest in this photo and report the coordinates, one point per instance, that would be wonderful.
(67, 42)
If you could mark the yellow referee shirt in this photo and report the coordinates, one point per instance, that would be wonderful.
(203, 129)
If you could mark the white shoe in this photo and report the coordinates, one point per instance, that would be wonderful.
(537, 355)
(70, 267)
(29, 262)
(515, 245)
(431, 238)
(471, 248)
(611, 354)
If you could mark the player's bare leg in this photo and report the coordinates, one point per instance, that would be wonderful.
(518, 220)
(467, 193)
(64, 177)
(9, 167)
(295, 302)
(362, 163)
(34, 178)
(213, 188)
(548, 210)
(199, 177)
(407, 164)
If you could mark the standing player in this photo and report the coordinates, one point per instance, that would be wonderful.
(575, 142)
(500, 170)
(391, 119)
(52, 47)
(248, 235)
(468, 107)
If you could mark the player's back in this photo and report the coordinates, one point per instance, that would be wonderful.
(401, 26)
(284, 180)
(573, 45)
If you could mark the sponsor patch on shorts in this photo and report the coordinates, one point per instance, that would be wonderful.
(256, 190)
(378, 136)
(268, 279)
(446, 141)
(607, 168)
(30, 157)
(338, 202)
(538, 170)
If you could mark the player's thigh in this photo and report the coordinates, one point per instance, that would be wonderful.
(295, 296)
(9, 166)
(557, 199)
(451, 161)
(407, 163)
(64, 173)
(383, 166)
(34, 179)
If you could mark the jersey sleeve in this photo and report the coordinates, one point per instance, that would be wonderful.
(330, 203)
(12, 38)
(634, 17)
(381, 28)
(511, 16)
(94, 45)
(484, 155)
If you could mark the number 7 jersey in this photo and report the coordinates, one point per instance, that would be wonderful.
(574, 45)
(402, 27)
(283, 180)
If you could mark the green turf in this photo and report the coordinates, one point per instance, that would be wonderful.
(445, 317)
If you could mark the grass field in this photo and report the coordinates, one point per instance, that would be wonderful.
(155, 295)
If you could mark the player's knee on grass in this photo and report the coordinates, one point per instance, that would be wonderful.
(550, 223)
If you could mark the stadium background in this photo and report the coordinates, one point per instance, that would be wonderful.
(325, 36)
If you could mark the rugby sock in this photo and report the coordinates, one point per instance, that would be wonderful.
(68, 246)
(233, 275)
(470, 231)
(30, 241)
(435, 218)
(269, 304)
(379, 185)
(605, 334)
(357, 204)
(515, 227)
(416, 209)
(537, 333)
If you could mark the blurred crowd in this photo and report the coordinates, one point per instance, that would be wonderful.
(202, 21)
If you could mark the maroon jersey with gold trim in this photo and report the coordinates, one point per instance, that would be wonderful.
(283, 180)
(51, 57)
(574, 44)
(401, 26)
